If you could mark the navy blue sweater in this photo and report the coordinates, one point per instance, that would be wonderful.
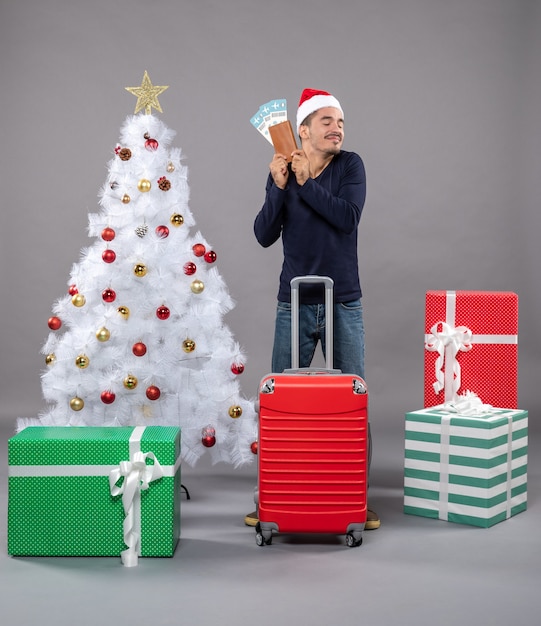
(318, 224)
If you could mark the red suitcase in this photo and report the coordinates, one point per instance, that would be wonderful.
(313, 444)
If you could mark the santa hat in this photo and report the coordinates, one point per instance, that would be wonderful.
(312, 100)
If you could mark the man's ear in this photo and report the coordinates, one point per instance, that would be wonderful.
(303, 131)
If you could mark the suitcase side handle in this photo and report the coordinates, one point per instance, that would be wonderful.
(329, 319)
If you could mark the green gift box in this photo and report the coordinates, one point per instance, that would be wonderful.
(94, 491)
(466, 469)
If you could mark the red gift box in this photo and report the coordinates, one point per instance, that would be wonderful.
(471, 344)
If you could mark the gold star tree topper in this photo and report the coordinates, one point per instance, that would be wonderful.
(147, 95)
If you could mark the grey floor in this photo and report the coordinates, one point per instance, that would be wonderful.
(412, 571)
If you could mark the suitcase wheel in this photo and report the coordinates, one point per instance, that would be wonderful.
(263, 537)
(261, 540)
(352, 541)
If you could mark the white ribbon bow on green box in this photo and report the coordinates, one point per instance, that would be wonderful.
(137, 476)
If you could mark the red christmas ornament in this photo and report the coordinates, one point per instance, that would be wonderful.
(139, 349)
(150, 143)
(73, 290)
(208, 436)
(237, 368)
(108, 256)
(108, 295)
(199, 249)
(162, 231)
(108, 234)
(190, 268)
(210, 256)
(54, 323)
(107, 397)
(253, 447)
(163, 312)
(153, 393)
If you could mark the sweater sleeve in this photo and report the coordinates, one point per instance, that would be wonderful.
(268, 222)
(342, 211)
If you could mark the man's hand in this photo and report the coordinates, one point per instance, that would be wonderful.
(279, 171)
(300, 165)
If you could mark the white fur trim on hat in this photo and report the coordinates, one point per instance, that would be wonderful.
(314, 104)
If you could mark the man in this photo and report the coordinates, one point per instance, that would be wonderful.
(315, 205)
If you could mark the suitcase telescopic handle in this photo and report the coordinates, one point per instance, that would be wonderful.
(329, 319)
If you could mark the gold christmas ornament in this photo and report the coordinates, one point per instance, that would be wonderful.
(126, 199)
(144, 185)
(170, 167)
(124, 311)
(50, 358)
(76, 404)
(197, 286)
(130, 382)
(188, 345)
(78, 300)
(147, 95)
(103, 334)
(235, 411)
(176, 219)
(82, 361)
(140, 269)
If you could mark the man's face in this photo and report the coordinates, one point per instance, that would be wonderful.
(326, 130)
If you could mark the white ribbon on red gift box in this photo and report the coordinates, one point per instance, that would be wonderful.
(448, 340)
(137, 476)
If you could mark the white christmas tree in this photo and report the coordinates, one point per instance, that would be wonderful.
(139, 339)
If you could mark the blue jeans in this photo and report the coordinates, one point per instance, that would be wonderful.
(348, 345)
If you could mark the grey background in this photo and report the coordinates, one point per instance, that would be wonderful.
(441, 100)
